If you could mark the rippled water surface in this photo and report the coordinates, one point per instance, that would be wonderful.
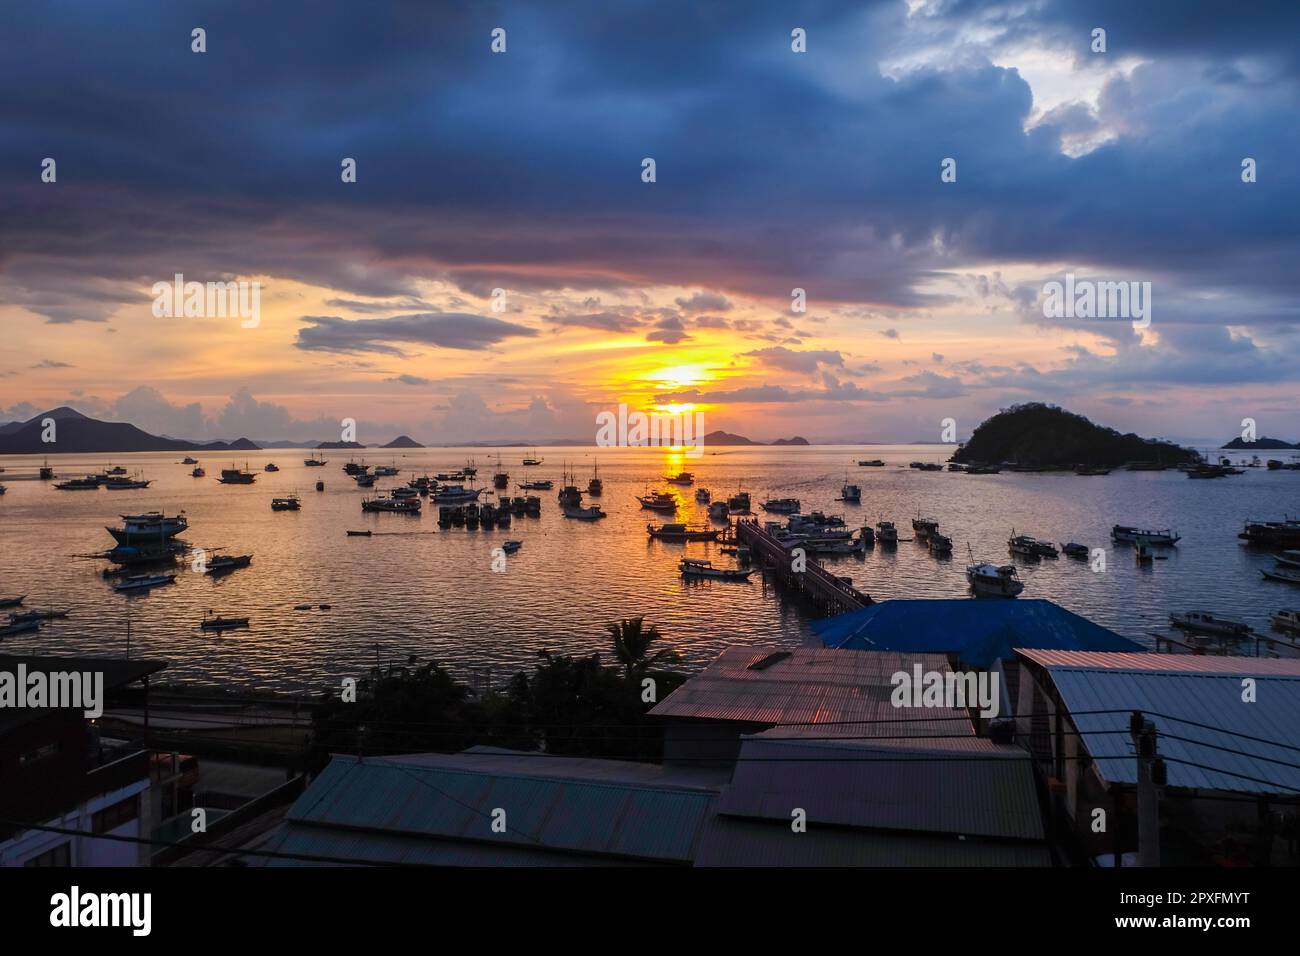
(414, 589)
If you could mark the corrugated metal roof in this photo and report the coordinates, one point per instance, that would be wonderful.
(1172, 663)
(812, 685)
(388, 794)
(729, 841)
(980, 632)
(968, 786)
(1170, 697)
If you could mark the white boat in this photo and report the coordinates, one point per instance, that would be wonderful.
(989, 580)
(407, 506)
(455, 495)
(590, 513)
(143, 581)
(695, 568)
(149, 528)
(1206, 622)
(1165, 537)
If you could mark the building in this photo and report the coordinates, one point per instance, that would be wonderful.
(748, 690)
(975, 633)
(60, 771)
(1227, 729)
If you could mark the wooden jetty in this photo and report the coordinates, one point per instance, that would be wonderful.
(815, 582)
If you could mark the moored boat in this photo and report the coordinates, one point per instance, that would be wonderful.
(19, 628)
(681, 532)
(990, 580)
(782, 506)
(314, 462)
(236, 476)
(718, 511)
(150, 528)
(872, 463)
(222, 623)
(1282, 573)
(703, 496)
(681, 478)
(940, 543)
(227, 562)
(13, 601)
(1287, 619)
(1164, 537)
(850, 494)
(405, 506)
(694, 568)
(886, 532)
(661, 501)
(1206, 622)
(289, 503)
(595, 487)
(198, 473)
(1072, 549)
(739, 503)
(589, 513)
(142, 582)
(271, 466)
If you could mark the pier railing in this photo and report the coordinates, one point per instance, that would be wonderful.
(817, 583)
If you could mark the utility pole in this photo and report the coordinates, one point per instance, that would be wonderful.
(1150, 776)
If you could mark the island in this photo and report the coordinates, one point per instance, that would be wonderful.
(1046, 436)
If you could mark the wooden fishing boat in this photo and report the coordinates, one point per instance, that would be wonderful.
(989, 580)
(143, 582)
(228, 562)
(658, 501)
(1206, 622)
(693, 568)
(21, 628)
(680, 532)
(13, 601)
(222, 623)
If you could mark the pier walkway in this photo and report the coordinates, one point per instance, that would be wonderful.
(819, 585)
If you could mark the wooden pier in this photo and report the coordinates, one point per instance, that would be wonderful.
(815, 582)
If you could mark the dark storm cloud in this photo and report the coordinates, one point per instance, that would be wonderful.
(449, 330)
(522, 170)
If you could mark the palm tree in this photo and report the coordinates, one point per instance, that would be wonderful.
(632, 641)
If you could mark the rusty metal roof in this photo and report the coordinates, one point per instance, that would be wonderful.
(810, 686)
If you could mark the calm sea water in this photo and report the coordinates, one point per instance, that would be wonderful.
(413, 589)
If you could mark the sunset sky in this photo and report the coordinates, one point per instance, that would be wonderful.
(775, 170)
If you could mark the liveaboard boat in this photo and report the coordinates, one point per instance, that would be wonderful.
(886, 533)
(149, 528)
(500, 479)
(126, 484)
(314, 462)
(287, 503)
(1023, 546)
(595, 487)
(924, 527)
(532, 459)
(1272, 534)
(940, 543)
(850, 494)
(541, 484)
(990, 580)
(237, 476)
(386, 471)
(681, 478)
(89, 483)
(782, 506)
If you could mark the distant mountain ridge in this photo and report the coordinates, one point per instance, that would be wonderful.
(75, 433)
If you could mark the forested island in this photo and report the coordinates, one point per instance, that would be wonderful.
(1041, 435)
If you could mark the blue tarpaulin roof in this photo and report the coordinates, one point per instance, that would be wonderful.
(979, 632)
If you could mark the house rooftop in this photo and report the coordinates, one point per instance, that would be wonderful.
(978, 632)
(1212, 733)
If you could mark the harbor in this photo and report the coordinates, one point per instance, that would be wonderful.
(408, 563)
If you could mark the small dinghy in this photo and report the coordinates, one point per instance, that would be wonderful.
(210, 623)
